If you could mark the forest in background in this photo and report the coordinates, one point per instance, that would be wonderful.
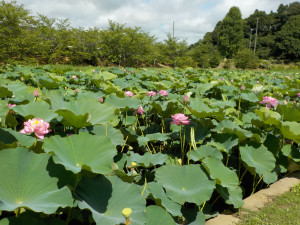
(29, 39)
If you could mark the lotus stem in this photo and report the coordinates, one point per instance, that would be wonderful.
(256, 184)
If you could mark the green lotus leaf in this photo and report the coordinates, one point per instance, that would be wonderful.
(48, 83)
(70, 119)
(290, 112)
(157, 215)
(258, 159)
(21, 91)
(200, 132)
(291, 130)
(85, 112)
(106, 197)
(90, 152)
(250, 97)
(268, 116)
(148, 159)
(200, 109)
(186, 183)
(232, 196)
(292, 152)
(202, 88)
(38, 109)
(8, 136)
(158, 192)
(193, 215)
(55, 99)
(228, 126)
(152, 137)
(166, 108)
(205, 151)
(27, 186)
(107, 75)
(114, 134)
(5, 92)
(123, 103)
(224, 142)
(222, 174)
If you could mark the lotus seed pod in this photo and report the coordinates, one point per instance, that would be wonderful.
(126, 212)
(133, 164)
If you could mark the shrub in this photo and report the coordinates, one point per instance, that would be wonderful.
(246, 59)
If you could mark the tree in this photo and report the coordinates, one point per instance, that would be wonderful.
(231, 33)
(288, 39)
(15, 27)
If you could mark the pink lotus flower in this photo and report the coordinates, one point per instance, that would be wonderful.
(186, 74)
(179, 119)
(101, 99)
(285, 102)
(38, 126)
(163, 93)
(129, 93)
(140, 111)
(231, 80)
(151, 93)
(298, 95)
(222, 79)
(270, 102)
(11, 105)
(243, 87)
(257, 82)
(36, 93)
(186, 99)
(288, 77)
(74, 77)
(76, 90)
(93, 70)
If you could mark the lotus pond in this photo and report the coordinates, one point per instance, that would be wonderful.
(141, 146)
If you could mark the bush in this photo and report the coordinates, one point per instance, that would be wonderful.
(246, 59)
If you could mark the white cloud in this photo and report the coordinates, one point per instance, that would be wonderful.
(193, 18)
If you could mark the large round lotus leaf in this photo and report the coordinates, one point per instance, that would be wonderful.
(224, 142)
(24, 182)
(5, 92)
(148, 159)
(205, 151)
(87, 112)
(222, 174)
(258, 159)
(114, 134)
(291, 130)
(230, 127)
(233, 196)
(157, 215)
(251, 97)
(125, 102)
(8, 136)
(290, 112)
(186, 183)
(158, 192)
(21, 91)
(39, 109)
(200, 109)
(106, 197)
(91, 152)
(268, 116)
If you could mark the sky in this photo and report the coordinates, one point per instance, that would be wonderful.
(192, 18)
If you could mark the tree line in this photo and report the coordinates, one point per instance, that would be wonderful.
(39, 39)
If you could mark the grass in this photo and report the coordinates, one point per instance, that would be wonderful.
(283, 210)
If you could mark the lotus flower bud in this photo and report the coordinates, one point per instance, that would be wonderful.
(36, 93)
(126, 212)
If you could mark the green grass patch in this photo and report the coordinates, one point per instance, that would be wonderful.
(284, 209)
